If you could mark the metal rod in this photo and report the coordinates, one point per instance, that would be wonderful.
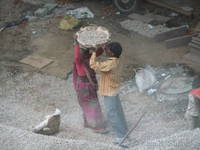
(129, 132)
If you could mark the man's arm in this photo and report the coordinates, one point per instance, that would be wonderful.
(104, 66)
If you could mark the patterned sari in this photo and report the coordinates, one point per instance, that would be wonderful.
(87, 98)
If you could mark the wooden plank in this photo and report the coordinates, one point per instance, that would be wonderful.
(180, 31)
(158, 18)
(178, 10)
(36, 61)
(196, 39)
(141, 18)
(178, 41)
(195, 51)
(194, 46)
(195, 42)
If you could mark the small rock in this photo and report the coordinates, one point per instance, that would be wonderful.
(31, 18)
(187, 8)
(41, 12)
(151, 91)
(150, 26)
(34, 32)
(50, 7)
(118, 13)
(47, 9)
(163, 74)
(173, 14)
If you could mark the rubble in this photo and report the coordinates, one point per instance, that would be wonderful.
(45, 10)
(80, 13)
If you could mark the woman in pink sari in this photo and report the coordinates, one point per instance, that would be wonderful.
(85, 84)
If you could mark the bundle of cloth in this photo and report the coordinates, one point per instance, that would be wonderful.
(50, 125)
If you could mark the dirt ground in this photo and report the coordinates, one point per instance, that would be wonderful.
(43, 37)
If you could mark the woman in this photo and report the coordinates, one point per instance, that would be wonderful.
(85, 84)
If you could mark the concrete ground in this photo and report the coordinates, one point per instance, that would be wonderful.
(28, 94)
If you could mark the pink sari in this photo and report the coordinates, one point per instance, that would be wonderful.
(87, 98)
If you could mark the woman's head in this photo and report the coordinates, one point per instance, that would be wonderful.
(113, 49)
(85, 52)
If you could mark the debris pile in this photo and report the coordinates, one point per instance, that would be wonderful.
(80, 13)
(45, 10)
(168, 84)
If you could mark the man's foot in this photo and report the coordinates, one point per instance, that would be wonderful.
(117, 140)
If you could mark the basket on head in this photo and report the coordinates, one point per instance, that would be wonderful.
(93, 36)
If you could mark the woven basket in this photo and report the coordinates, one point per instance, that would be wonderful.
(94, 28)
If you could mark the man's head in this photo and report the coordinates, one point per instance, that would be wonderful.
(113, 49)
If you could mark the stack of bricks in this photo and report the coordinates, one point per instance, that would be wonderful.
(194, 45)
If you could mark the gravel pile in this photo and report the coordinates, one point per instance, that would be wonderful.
(187, 140)
(16, 139)
(27, 98)
(92, 37)
(143, 28)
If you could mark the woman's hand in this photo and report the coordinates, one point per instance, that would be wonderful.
(75, 39)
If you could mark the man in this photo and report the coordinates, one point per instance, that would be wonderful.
(109, 86)
(193, 110)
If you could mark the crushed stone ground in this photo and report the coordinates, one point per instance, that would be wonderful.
(26, 98)
(13, 138)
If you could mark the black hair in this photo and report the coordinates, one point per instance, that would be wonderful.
(196, 82)
(115, 48)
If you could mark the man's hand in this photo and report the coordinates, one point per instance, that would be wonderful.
(92, 49)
